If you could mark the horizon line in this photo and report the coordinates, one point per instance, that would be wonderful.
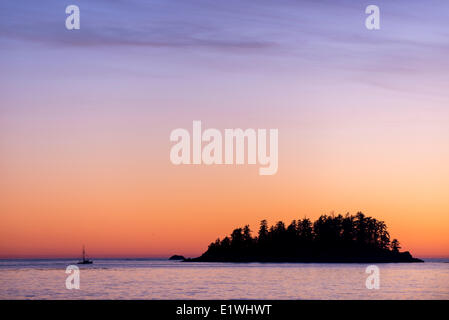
(139, 258)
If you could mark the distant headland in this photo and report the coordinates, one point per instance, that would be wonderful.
(330, 239)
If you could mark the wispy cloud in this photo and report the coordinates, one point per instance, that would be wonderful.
(412, 39)
(114, 24)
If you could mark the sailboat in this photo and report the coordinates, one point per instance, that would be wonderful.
(85, 259)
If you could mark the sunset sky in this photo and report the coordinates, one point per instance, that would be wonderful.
(86, 115)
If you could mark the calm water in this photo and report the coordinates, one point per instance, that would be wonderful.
(161, 279)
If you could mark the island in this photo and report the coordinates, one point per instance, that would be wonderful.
(176, 257)
(329, 239)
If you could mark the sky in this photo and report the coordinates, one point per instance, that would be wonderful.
(86, 115)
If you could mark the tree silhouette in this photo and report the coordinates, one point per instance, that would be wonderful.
(395, 246)
(330, 238)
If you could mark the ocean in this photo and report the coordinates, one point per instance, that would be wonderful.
(163, 279)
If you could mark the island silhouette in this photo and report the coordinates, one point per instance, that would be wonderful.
(330, 239)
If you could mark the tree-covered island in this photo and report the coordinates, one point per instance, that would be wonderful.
(331, 238)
